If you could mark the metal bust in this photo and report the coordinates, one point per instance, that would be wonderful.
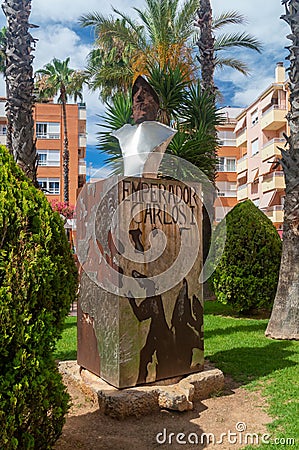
(148, 136)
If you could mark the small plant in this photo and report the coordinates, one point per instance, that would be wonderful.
(63, 208)
(247, 274)
(38, 281)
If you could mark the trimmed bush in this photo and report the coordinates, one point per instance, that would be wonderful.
(38, 281)
(247, 274)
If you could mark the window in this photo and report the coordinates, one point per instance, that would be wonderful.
(49, 158)
(226, 164)
(227, 138)
(230, 165)
(3, 130)
(221, 162)
(54, 187)
(254, 147)
(48, 130)
(254, 117)
(50, 186)
(42, 159)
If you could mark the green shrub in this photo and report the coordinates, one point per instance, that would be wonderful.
(38, 281)
(247, 274)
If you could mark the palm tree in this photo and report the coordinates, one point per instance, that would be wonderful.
(126, 48)
(19, 84)
(211, 46)
(2, 50)
(284, 321)
(58, 78)
(164, 35)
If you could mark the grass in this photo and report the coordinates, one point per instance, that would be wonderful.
(67, 346)
(238, 347)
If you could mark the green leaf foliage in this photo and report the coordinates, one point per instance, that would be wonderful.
(38, 281)
(247, 274)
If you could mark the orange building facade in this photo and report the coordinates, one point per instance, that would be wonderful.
(49, 142)
(228, 154)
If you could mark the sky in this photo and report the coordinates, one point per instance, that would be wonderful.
(59, 35)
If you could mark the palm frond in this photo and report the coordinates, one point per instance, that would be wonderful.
(228, 18)
(244, 40)
(118, 113)
(184, 23)
(233, 63)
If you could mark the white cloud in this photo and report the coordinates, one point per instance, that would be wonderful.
(44, 11)
(60, 42)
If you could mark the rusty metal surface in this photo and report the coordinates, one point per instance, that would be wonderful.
(87, 351)
(140, 339)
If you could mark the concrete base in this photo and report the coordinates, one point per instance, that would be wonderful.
(176, 394)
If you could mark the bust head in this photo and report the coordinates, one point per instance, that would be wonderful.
(145, 101)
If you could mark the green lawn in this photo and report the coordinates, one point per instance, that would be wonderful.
(238, 347)
(67, 346)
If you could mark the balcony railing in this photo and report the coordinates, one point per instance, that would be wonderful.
(82, 140)
(273, 180)
(242, 193)
(273, 118)
(270, 149)
(275, 213)
(227, 193)
(241, 138)
(242, 164)
(48, 136)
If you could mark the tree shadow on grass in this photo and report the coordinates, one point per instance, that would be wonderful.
(247, 364)
(68, 325)
(68, 355)
(231, 329)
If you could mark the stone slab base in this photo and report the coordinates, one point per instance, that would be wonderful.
(176, 394)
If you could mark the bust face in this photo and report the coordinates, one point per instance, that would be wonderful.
(145, 106)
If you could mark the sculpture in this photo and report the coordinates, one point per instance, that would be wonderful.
(148, 136)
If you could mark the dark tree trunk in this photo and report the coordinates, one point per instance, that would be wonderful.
(66, 155)
(207, 67)
(284, 321)
(20, 85)
(206, 46)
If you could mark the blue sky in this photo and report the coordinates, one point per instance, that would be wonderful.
(60, 36)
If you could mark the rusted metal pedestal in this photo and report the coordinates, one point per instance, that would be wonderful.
(140, 315)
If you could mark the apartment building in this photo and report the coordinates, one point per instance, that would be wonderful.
(259, 133)
(228, 154)
(49, 142)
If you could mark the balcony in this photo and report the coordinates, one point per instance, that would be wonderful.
(82, 140)
(274, 180)
(275, 213)
(82, 168)
(81, 111)
(242, 193)
(48, 136)
(270, 150)
(242, 164)
(228, 193)
(273, 118)
(241, 138)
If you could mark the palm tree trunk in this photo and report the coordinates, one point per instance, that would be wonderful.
(66, 155)
(207, 67)
(20, 85)
(206, 46)
(284, 321)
